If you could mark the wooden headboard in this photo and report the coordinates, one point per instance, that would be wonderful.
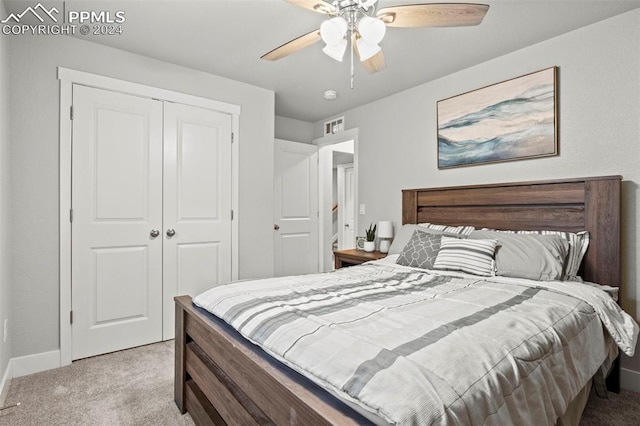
(591, 204)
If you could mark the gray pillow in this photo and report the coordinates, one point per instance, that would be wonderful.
(401, 238)
(420, 251)
(531, 256)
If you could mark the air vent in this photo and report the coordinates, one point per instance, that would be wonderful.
(334, 126)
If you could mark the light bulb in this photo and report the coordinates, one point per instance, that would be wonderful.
(336, 51)
(333, 30)
(366, 50)
(371, 29)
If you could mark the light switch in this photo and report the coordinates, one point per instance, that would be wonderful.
(362, 209)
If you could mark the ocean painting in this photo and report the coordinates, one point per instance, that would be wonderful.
(511, 120)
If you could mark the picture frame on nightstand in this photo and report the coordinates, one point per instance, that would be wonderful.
(360, 243)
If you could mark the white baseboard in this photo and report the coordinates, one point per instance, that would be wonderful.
(35, 363)
(630, 379)
(6, 383)
(24, 365)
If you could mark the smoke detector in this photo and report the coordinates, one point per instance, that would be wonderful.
(330, 95)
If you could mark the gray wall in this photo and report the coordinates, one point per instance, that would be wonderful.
(34, 136)
(599, 92)
(5, 199)
(294, 130)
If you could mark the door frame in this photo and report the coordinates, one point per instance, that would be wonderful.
(324, 182)
(69, 77)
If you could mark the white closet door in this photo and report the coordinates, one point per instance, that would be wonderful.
(296, 208)
(117, 202)
(197, 203)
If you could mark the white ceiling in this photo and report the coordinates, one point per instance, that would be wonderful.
(227, 38)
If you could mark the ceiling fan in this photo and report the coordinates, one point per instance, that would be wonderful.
(363, 25)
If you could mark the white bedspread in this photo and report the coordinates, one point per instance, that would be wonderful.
(414, 347)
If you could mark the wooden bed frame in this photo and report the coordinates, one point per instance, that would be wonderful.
(220, 378)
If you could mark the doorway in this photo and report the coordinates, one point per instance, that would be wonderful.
(346, 206)
(343, 195)
(338, 184)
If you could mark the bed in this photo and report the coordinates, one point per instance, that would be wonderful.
(222, 378)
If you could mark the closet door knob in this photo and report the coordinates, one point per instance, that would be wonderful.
(171, 232)
(154, 233)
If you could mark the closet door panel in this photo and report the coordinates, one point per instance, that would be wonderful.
(197, 203)
(116, 201)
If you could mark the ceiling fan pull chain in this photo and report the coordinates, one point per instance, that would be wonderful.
(352, 46)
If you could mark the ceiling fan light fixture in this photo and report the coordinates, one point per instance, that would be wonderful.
(371, 29)
(336, 51)
(366, 50)
(362, 25)
(333, 30)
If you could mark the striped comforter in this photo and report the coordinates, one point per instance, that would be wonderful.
(415, 347)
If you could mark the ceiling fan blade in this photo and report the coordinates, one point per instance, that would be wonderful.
(319, 6)
(292, 46)
(375, 63)
(434, 15)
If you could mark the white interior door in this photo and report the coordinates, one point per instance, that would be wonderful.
(296, 208)
(347, 207)
(117, 203)
(197, 203)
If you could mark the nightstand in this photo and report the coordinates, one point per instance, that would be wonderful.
(355, 257)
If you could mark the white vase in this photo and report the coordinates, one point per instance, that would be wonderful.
(369, 246)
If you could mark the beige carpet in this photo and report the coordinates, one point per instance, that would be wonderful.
(135, 387)
(132, 387)
(621, 409)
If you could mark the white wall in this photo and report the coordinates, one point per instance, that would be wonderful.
(599, 108)
(5, 199)
(34, 136)
(290, 129)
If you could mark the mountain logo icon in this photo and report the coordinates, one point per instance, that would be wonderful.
(34, 11)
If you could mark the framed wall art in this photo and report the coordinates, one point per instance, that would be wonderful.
(511, 120)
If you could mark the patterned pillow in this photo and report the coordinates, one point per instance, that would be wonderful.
(465, 255)
(459, 230)
(405, 233)
(420, 251)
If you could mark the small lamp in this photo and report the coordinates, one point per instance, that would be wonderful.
(385, 234)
